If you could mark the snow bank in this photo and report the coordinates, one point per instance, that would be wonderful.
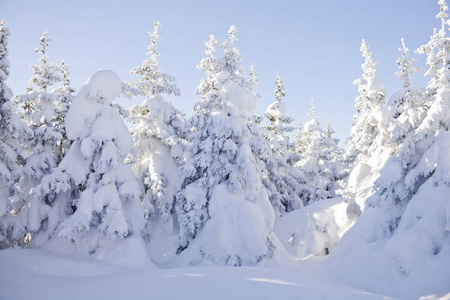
(315, 229)
(411, 263)
(234, 234)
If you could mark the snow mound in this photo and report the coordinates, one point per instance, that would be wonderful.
(277, 110)
(411, 262)
(239, 101)
(315, 229)
(104, 86)
(233, 234)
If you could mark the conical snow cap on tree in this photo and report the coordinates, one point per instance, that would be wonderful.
(153, 80)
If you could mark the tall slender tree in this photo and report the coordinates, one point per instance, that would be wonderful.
(284, 182)
(13, 135)
(39, 112)
(158, 139)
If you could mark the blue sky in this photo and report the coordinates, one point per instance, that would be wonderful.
(314, 45)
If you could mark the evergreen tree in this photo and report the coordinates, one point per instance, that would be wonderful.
(222, 198)
(153, 81)
(315, 159)
(421, 128)
(297, 140)
(436, 50)
(104, 191)
(39, 112)
(369, 143)
(66, 96)
(13, 135)
(158, 139)
(412, 191)
(335, 161)
(283, 182)
(371, 97)
(407, 98)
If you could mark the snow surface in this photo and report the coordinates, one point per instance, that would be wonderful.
(356, 269)
(39, 274)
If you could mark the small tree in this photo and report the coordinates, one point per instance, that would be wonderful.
(284, 182)
(407, 98)
(153, 81)
(436, 50)
(315, 160)
(66, 96)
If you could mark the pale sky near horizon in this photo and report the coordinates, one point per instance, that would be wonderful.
(314, 45)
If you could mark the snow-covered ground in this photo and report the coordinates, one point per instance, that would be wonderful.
(39, 274)
(128, 269)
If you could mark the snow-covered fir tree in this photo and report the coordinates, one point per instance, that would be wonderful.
(316, 160)
(284, 182)
(422, 134)
(39, 112)
(409, 214)
(13, 135)
(371, 97)
(436, 50)
(297, 140)
(336, 160)
(105, 193)
(406, 98)
(158, 139)
(222, 199)
(369, 143)
(66, 96)
(153, 80)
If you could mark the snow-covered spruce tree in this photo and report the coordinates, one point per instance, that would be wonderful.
(371, 97)
(297, 140)
(153, 80)
(106, 200)
(436, 50)
(369, 145)
(316, 160)
(283, 182)
(60, 202)
(419, 120)
(66, 96)
(39, 112)
(421, 141)
(406, 98)
(407, 220)
(158, 139)
(336, 162)
(225, 215)
(13, 134)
